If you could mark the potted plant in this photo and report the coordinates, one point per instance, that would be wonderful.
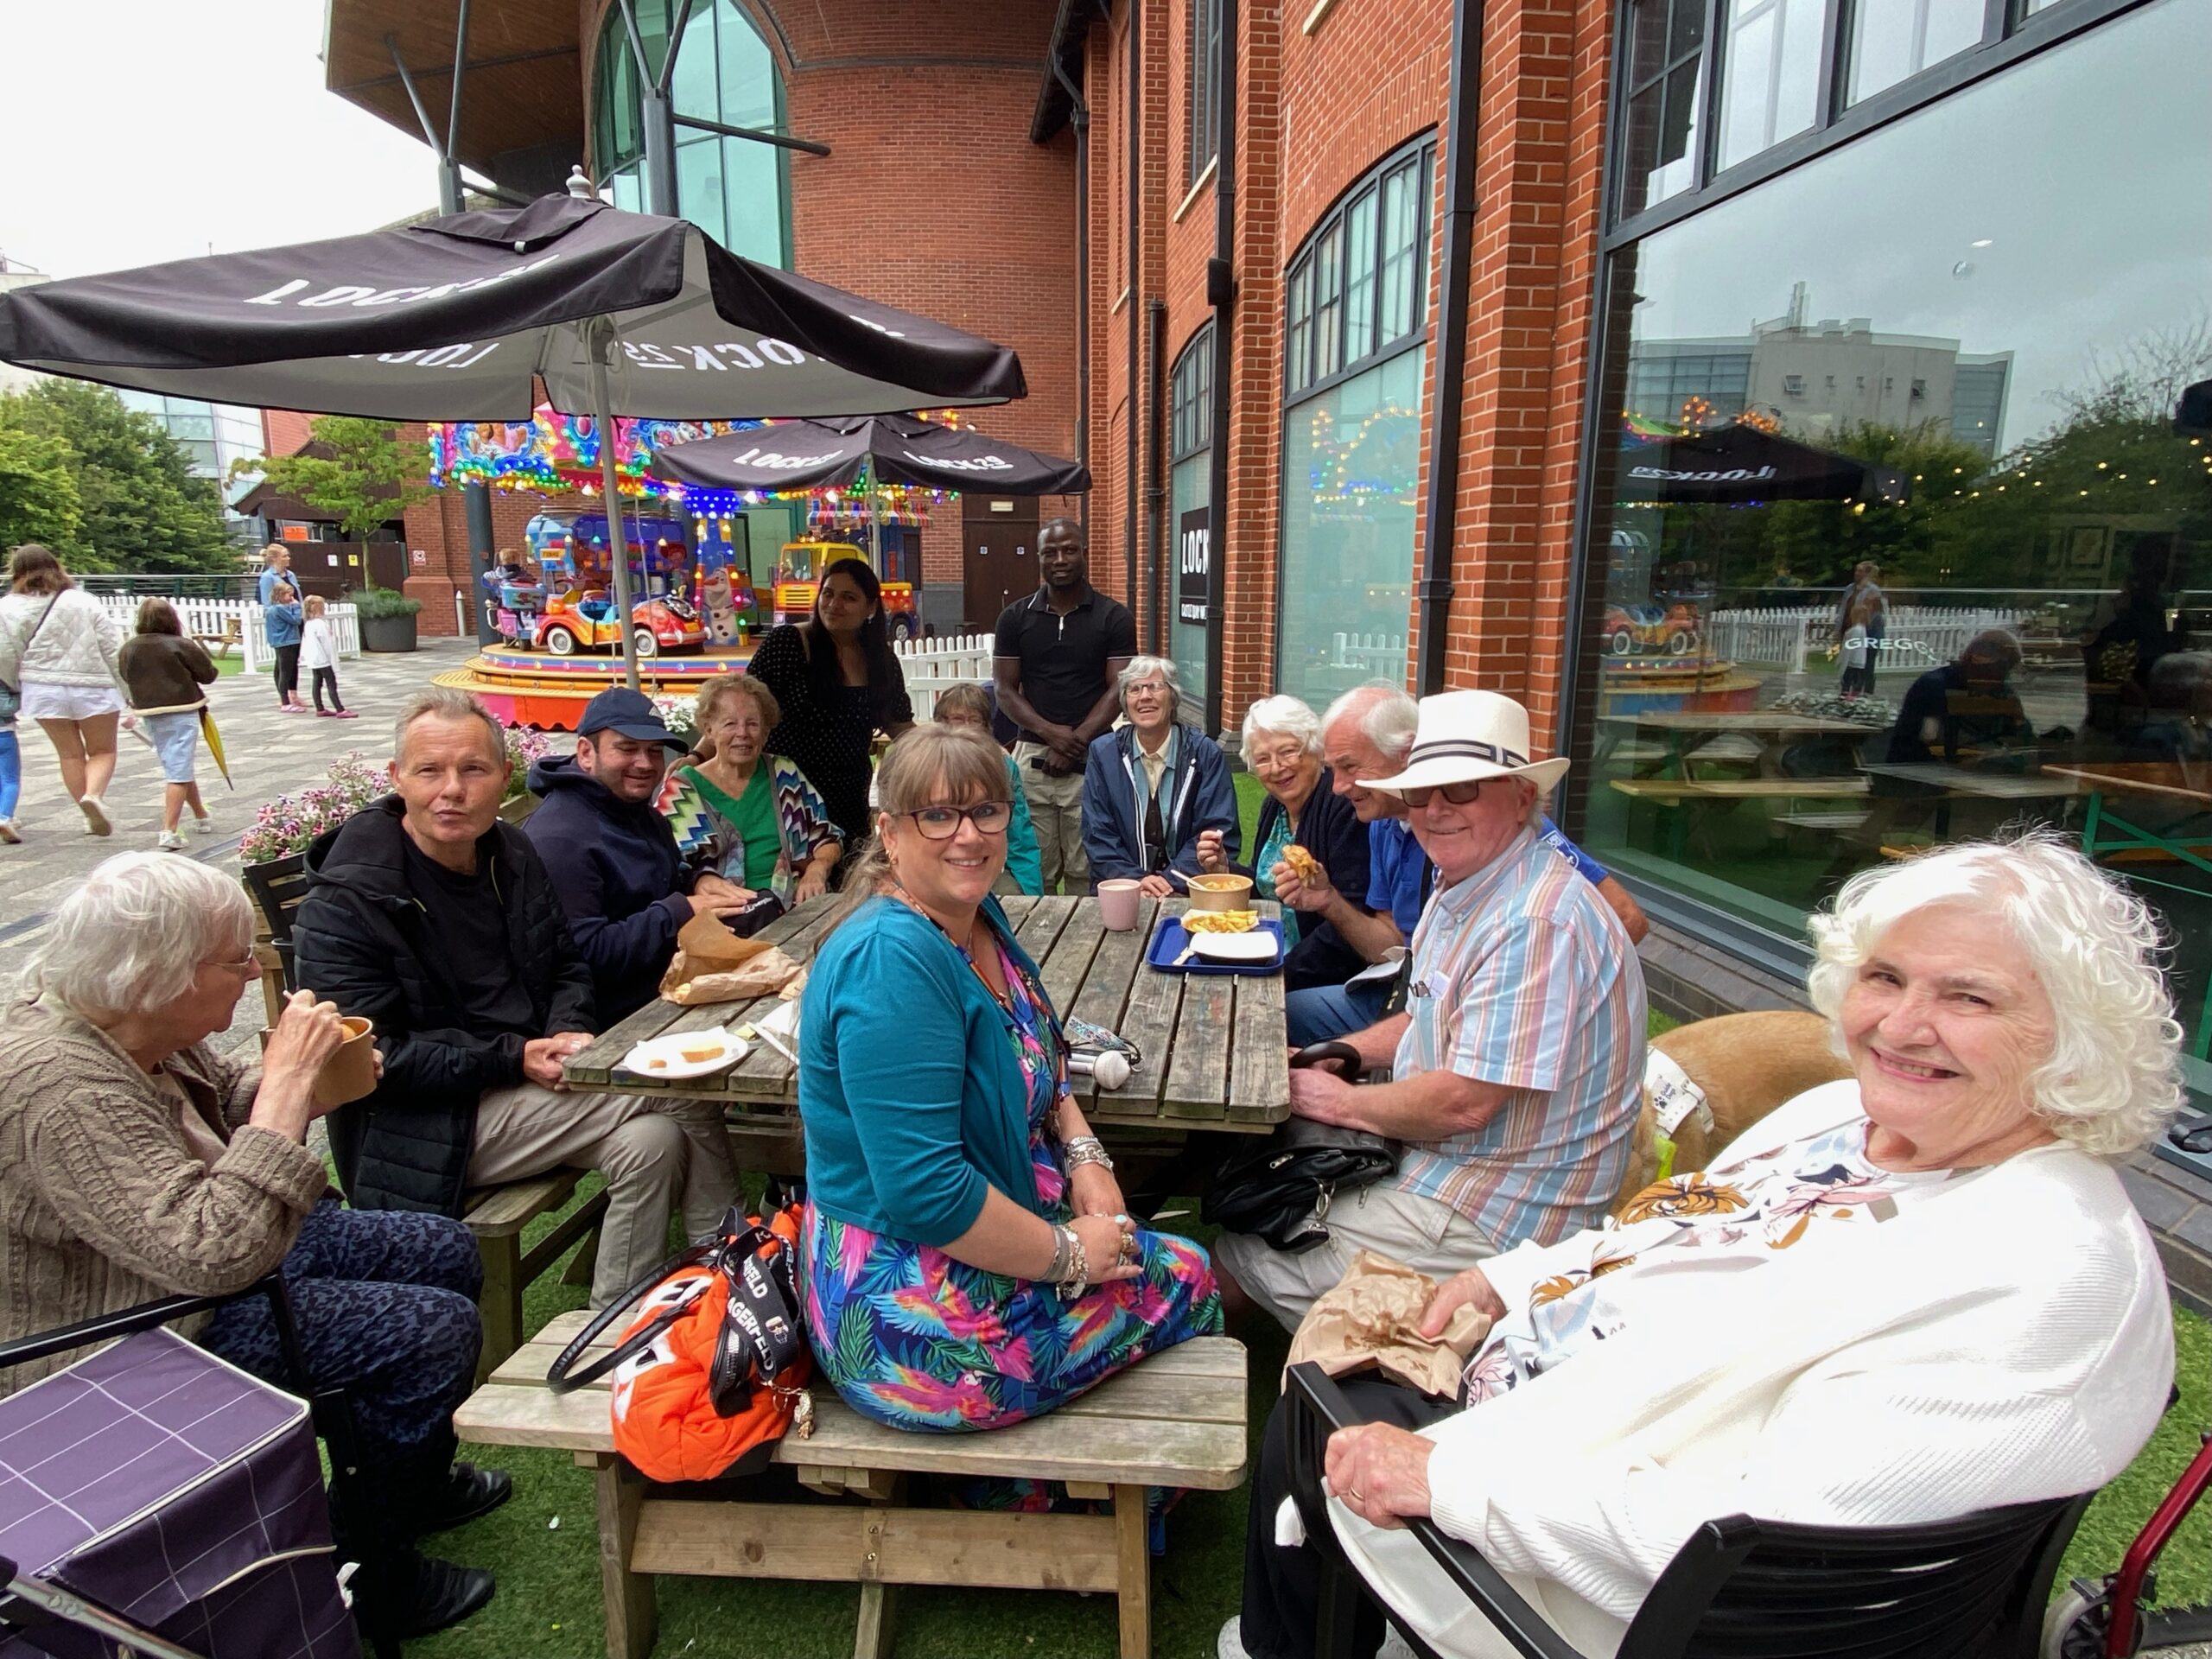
(387, 618)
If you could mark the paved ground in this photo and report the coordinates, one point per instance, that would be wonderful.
(269, 755)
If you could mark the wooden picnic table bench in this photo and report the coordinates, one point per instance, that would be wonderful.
(1216, 1048)
(221, 644)
(1176, 1419)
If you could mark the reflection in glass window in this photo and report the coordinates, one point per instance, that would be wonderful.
(734, 189)
(1202, 102)
(1404, 248)
(1892, 39)
(1298, 326)
(1190, 487)
(1770, 74)
(1351, 462)
(1659, 136)
(1359, 275)
(1328, 302)
(1953, 566)
(1358, 288)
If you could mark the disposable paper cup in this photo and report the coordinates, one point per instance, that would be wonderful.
(352, 1072)
(1118, 903)
(1220, 893)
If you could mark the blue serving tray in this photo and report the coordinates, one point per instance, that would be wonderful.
(1169, 938)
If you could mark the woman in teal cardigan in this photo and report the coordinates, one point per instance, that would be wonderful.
(968, 1259)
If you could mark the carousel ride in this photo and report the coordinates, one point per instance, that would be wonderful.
(697, 607)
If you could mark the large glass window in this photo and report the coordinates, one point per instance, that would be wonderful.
(1190, 498)
(1202, 101)
(1770, 74)
(1358, 288)
(737, 190)
(1892, 39)
(1951, 569)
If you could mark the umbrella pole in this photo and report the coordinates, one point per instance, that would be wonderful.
(602, 342)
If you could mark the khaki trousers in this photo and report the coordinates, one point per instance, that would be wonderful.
(1420, 1232)
(656, 1155)
(1056, 807)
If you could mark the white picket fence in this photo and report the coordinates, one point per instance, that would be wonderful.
(212, 619)
(935, 664)
(1376, 656)
(1796, 636)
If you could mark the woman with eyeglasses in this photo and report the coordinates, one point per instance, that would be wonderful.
(970, 1261)
(138, 1162)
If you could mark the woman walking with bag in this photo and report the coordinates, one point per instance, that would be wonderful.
(58, 647)
(164, 671)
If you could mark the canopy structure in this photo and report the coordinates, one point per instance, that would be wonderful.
(464, 317)
(867, 450)
(1744, 463)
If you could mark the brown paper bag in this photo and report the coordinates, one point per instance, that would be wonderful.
(703, 945)
(764, 974)
(1371, 1320)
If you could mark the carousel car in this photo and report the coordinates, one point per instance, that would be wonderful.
(586, 621)
(1673, 629)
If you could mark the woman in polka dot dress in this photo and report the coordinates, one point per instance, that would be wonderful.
(839, 685)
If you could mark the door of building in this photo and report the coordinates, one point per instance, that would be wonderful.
(1001, 563)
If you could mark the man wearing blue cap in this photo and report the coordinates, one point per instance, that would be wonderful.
(614, 857)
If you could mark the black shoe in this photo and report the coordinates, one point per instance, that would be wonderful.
(468, 1492)
(412, 1594)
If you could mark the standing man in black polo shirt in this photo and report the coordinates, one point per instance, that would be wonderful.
(1058, 653)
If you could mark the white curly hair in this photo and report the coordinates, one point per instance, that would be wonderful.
(2111, 1082)
(131, 938)
(1282, 716)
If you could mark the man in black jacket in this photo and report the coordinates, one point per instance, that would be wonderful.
(614, 857)
(437, 922)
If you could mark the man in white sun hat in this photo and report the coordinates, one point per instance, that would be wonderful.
(1517, 1065)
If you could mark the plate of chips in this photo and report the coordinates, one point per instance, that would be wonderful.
(684, 1054)
(1220, 921)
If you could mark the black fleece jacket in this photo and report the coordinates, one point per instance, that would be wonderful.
(619, 877)
(364, 940)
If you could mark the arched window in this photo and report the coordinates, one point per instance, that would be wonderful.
(737, 190)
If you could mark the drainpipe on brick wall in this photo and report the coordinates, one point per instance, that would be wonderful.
(1079, 115)
(1221, 294)
(1134, 118)
(1156, 467)
(1434, 590)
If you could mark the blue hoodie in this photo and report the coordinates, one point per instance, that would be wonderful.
(621, 879)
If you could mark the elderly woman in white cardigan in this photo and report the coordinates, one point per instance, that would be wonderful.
(1904, 1297)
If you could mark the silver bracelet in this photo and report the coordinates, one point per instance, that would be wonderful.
(1086, 1149)
(1063, 1241)
(1077, 1278)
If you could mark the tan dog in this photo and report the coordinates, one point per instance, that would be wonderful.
(1746, 1064)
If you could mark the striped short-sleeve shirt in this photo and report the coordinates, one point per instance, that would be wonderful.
(1523, 976)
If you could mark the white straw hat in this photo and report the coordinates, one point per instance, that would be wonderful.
(1470, 735)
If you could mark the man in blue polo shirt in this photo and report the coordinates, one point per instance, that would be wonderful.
(1368, 733)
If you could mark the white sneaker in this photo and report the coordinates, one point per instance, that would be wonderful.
(205, 825)
(7, 832)
(170, 841)
(1230, 1644)
(96, 821)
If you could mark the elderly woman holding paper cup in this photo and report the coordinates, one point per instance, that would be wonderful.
(137, 1161)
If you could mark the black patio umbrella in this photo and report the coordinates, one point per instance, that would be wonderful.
(1743, 463)
(459, 318)
(866, 451)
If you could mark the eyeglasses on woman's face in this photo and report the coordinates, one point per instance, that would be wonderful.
(943, 823)
(246, 969)
(1459, 794)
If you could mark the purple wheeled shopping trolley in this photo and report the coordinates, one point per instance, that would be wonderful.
(161, 1487)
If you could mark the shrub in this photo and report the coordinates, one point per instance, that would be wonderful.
(373, 602)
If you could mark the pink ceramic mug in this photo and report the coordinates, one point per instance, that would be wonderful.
(1118, 903)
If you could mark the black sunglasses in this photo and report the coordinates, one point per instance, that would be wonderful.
(1459, 794)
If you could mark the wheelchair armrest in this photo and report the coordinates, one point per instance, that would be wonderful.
(1319, 1409)
(126, 1321)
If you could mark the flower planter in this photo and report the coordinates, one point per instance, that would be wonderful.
(387, 632)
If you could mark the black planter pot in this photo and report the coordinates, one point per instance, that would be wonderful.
(387, 632)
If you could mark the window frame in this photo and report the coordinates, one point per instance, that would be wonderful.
(1305, 304)
(1201, 89)
(2010, 33)
(1190, 394)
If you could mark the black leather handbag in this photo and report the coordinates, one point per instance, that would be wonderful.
(1281, 1188)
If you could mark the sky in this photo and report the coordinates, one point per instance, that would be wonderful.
(140, 131)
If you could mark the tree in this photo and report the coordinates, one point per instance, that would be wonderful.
(143, 509)
(38, 498)
(354, 468)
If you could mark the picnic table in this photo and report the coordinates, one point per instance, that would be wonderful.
(1216, 1049)
(1688, 732)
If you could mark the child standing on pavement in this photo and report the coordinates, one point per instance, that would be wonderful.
(282, 621)
(318, 656)
(164, 670)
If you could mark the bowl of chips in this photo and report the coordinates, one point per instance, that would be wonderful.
(1220, 893)
(1198, 922)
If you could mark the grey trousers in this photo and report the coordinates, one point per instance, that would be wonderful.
(1056, 807)
(658, 1154)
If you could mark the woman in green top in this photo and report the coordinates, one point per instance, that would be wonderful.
(768, 828)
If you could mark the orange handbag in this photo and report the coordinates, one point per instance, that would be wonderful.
(711, 1373)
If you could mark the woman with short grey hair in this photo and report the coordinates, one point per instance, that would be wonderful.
(1153, 787)
(1908, 1295)
(137, 1162)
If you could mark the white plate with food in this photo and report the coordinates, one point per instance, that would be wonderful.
(1259, 945)
(682, 1054)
